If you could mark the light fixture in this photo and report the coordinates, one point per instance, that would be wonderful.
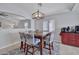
(38, 15)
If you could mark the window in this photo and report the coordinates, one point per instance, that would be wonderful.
(26, 25)
(33, 25)
(49, 25)
(45, 26)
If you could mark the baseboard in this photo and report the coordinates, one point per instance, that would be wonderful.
(9, 47)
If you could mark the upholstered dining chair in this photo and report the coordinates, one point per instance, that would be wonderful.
(31, 43)
(48, 41)
(22, 40)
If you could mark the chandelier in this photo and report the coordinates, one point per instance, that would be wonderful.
(38, 15)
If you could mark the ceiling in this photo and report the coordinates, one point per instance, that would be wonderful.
(24, 11)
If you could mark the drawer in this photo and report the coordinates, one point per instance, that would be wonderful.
(65, 41)
(71, 42)
(77, 43)
(76, 37)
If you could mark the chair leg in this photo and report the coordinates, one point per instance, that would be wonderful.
(49, 49)
(24, 46)
(52, 46)
(44, 44)
(32, 50)
(21, 46)
(26, 49)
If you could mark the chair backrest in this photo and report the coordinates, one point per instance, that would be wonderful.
(21, 35)
(48, 37)
(30, 37)
(52, 36)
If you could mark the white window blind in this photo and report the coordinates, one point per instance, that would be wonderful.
(49, 25)
(33, 25)
(45, 26)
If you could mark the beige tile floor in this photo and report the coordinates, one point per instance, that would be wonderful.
(59, 49)
(68, 50)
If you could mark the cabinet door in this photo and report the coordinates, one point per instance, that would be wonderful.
(77, 39)
(77, 42)
(71, 39)
(71, 42)
(64, 38)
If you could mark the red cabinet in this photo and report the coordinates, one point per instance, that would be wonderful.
(70, 38)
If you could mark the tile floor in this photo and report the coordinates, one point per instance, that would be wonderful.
(59, 49)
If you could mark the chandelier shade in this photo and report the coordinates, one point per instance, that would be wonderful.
(38, 15)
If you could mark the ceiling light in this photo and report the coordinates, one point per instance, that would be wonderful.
(38, 15)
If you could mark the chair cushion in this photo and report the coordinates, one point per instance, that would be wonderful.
(33, 41)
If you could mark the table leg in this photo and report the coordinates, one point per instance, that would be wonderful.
(21, 47)
(24, 46)
(41, 46)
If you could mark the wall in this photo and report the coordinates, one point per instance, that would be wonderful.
(8, 23)
(22, 22)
